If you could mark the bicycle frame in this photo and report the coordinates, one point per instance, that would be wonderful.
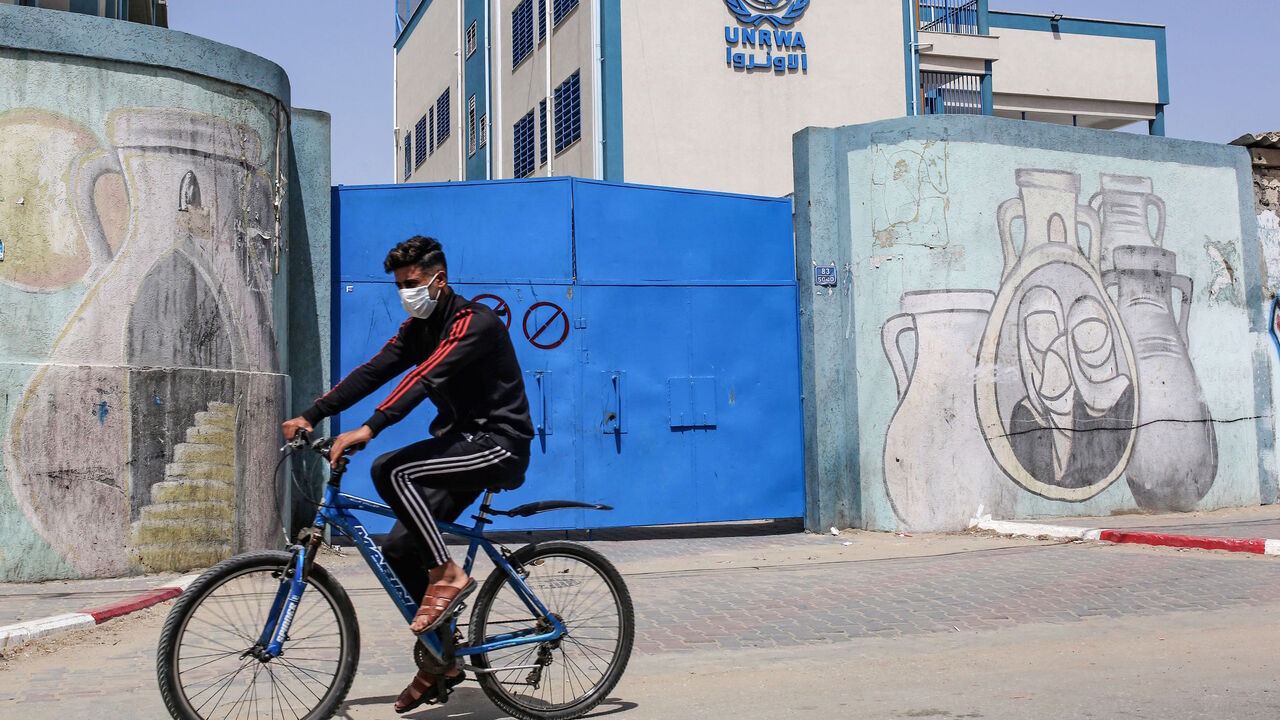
(336, 511)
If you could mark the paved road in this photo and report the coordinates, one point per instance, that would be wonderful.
(803, 625)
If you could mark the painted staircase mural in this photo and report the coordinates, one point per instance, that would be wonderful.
(190, 521)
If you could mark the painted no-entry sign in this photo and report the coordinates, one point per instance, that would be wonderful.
(499, 306)
(548, 333)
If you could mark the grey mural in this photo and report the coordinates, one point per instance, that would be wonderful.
(1074, 373)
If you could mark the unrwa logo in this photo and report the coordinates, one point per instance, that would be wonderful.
(781, 13)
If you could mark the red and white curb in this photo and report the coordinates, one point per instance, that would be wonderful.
(19, 633)
(1258, 546)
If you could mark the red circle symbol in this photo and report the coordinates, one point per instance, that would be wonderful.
(556, 326)
(498, 305)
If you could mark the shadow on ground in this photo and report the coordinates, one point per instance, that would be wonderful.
(471, 703)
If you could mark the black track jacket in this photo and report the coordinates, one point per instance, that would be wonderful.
(464, 362)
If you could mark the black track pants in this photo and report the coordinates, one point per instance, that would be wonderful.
(433, 478)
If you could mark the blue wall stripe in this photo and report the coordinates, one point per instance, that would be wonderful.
(474, 73)
(611, 87)
(908, 37)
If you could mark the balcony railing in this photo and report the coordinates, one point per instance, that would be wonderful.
(950, 93)
(948, 16)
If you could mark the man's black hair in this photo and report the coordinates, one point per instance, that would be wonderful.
(424, 252)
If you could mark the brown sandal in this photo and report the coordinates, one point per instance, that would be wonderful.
(439, 602)
(422, 689)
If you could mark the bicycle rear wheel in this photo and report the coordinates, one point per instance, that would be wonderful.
(571, 675)
(205, 663)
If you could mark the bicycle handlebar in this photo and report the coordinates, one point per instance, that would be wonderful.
(302, 439)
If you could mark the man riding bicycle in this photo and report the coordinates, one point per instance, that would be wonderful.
(463, 360)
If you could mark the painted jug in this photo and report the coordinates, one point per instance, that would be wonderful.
(1124, 204)
(1175, 454)
(172, 350)
(1054, 386)
(936, 468)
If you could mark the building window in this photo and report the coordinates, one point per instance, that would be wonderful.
(431, 133)
(542, 133)
(442, 118)
(484, 130)
(522, 148)
(471, 39)
(561, 8)
(521, 33)
(568, 112)
(471, 126)
(420, 130)
(408, 154)
(542, 20)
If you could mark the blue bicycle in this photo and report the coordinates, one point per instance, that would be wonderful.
(272, 634)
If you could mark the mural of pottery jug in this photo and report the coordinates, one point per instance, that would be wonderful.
(936, 467)
(1054, 387)
(167, 373)
(1124, 204)
(1175, 455)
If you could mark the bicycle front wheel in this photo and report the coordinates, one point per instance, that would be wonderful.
(206, 661)
(563, 678)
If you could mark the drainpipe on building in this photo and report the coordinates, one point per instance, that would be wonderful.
(495, 111)
(461, 135)
(396, 177)
(485, 126)
(597, 93)
(551, 109)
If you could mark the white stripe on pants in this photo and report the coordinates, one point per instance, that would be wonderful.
(411, 495)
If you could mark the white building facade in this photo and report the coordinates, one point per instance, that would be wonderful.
(707, 93)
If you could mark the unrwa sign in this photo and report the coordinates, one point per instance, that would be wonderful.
(758, 16)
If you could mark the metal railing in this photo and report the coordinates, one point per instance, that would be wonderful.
(950, 94)
(948, 16)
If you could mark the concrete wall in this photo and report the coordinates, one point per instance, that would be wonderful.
(692, 120)
(310, 286)
(1030, 321)
(1075, 66)
(144, 206)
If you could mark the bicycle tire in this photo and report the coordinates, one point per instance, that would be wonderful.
(321, 583)
(527, 557)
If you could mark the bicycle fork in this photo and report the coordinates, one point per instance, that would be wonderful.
(276, 630)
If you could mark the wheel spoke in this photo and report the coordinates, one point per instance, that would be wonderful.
(214, 676)
(585, 662)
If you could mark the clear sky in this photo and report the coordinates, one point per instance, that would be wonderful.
(338, 54)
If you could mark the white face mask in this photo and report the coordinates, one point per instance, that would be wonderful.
(418, 301)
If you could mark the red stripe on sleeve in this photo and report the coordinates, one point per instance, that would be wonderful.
(384, 347)
(459, 329)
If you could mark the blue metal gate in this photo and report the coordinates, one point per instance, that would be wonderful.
(656, 329)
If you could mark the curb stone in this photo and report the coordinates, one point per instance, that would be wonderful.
(1257, 546)
(19, 633)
